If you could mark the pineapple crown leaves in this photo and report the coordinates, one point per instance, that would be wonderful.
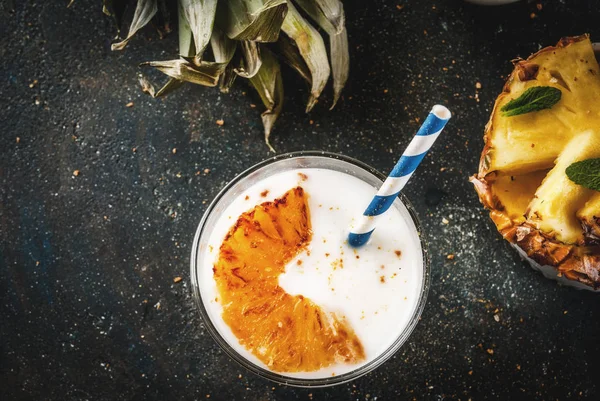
(238, 31)
(585, 173)
(533, 99)
(144, 12)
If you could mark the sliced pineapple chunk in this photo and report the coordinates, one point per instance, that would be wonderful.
(556, 202)
(532, 141)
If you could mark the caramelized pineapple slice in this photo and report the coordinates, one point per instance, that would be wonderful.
(556, 202)
(289, 333)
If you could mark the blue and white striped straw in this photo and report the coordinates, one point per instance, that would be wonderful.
(406, 166)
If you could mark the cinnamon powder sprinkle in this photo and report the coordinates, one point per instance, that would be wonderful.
(398, 253)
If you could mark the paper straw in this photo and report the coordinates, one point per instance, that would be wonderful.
(406, 166)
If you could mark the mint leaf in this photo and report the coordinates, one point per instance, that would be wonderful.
(533, 99)
(585, 173)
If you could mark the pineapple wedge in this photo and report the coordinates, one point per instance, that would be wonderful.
(554, 207)
(552, 221)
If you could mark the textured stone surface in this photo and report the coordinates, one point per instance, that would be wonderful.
(88, 306)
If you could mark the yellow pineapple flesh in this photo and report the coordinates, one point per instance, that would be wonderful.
(533, 141)
(516, 191)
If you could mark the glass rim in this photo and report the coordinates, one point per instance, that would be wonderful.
(295, 381)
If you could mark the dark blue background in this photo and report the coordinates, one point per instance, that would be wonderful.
(85, 261)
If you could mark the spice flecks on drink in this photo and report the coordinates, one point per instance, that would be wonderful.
(320, 279)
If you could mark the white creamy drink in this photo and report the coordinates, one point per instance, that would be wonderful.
(375, 288)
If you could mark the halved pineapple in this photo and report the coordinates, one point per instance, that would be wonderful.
(289, 333)
(522, 179)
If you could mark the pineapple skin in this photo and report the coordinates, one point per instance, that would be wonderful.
(513, 191)
(589, 219)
